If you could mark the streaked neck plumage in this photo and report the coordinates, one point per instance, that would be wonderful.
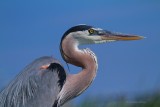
(84, 58)
(77, 83)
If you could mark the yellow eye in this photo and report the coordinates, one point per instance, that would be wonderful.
(91, 31)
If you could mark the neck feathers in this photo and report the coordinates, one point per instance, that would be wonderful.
(77, 83)
(72, 54)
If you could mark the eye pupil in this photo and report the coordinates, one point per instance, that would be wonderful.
(91, 31)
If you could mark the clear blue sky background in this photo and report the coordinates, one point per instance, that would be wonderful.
(33, 28)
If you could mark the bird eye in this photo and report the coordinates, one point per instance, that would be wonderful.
(91, 31)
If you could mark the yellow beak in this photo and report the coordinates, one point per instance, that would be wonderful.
(120, 37)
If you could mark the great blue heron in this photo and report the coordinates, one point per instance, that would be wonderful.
(45, 83)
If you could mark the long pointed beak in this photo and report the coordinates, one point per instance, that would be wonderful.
(108, 36)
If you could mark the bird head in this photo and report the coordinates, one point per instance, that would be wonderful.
(85, 34)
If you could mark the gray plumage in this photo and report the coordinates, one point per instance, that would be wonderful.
(31, 87)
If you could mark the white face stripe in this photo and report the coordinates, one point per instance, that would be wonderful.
(97, 29)
(83, 37)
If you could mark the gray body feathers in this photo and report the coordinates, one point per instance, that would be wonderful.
(34, 85)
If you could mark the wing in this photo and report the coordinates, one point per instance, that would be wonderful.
(35, 87)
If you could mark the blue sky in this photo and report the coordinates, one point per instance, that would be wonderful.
(33, 28)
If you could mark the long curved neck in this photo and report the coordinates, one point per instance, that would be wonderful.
(77, 83)
(82, 58)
